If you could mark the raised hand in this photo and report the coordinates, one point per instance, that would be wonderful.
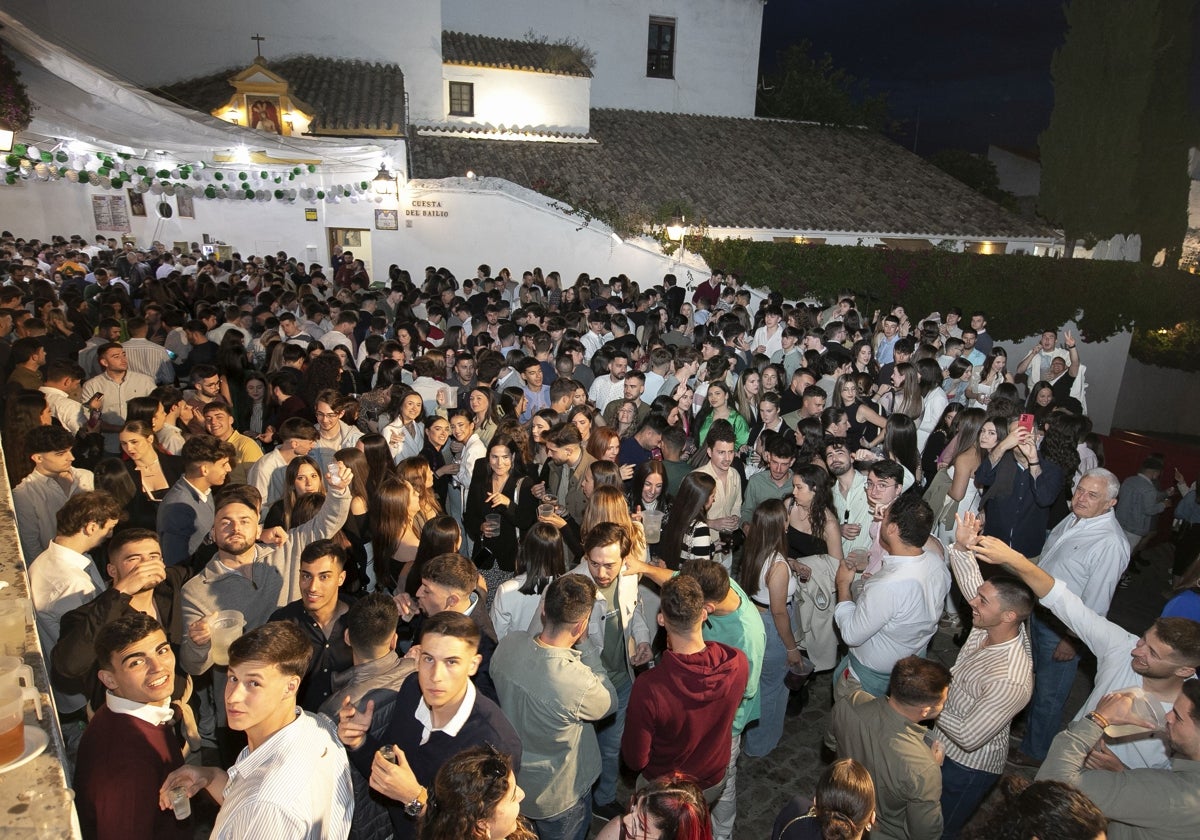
(967, 529)
(353, 725)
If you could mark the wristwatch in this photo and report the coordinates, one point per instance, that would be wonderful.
(414, 808)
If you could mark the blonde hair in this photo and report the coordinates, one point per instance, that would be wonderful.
(608, 504)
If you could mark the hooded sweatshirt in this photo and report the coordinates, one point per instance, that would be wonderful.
(680, 715)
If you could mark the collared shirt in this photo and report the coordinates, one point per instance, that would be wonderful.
(152, 713)
(147, 358)
(37, 501)
(729, 493)
(331, 653)
(1111, 646)
(1089, 556)
(990, 684)
(549, 694)
(856, 502)
(296, 784)
(67, 411)
(897, 612)
(248, 451)
(424, 716)
(116, 396)
(60, 580)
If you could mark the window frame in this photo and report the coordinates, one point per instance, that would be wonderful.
(462, 87)
(656, 53)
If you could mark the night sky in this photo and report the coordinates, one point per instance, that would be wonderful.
(974, 71)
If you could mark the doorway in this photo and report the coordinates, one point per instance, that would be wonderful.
(355, 240)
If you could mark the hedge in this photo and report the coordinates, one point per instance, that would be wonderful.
(1021, 295)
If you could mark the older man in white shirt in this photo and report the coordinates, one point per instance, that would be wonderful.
(1088, 552)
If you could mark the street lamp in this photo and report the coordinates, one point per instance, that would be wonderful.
(385, 183)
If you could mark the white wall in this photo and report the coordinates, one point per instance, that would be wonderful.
(516, 98)
(164, 41)
(485, 220)
(1156, 399)
(716, 51)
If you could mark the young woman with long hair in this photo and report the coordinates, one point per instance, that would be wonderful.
(475, 797)
(812, 522)
(766, 576)
(25, 411)
(405, 434)
(441, 535)
(540, 559)
(356, 530)
(650, 488)
(866, 424)
(500, 490)
(686, 534)
(301, 477)
(723, 408)
(903, 395)
(482, 403)
(842, 808)
(375, 449)
(671, 808)
(992, 374)
(394, 536)
(747, 394)
(417, 472)
(604, 444)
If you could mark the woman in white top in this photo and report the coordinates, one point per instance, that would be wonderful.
(989, 377)
(406, 434)
(765, 572)
(540, 559)
(933, 400)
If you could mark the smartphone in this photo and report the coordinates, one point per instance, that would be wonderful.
(1025, 421)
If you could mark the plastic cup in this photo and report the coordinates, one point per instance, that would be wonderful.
(545, 510)
(1144, 708)
(491, 525)
(180, 804)
(14, 672)
(860, 557)
(652, 524)
(12, 723)
(15, 618)
(225, 627)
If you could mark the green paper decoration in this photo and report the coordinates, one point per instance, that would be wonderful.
(296, 171)
(312, 167)
(242, 176)
(20, 149)
(279, 193)
(46, 157)
(321, 194)
(141, 170)
(218, 176)
(13, 160)
(61, 157)
(210, 192)
(363, 185)
(10, 178)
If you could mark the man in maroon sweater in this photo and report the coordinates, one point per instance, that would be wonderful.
(130, 746)
(680, 716)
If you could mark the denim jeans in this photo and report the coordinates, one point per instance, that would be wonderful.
(1051, 687)
(608, 735)
(724, 811)
(962, 790)
(571, 824)
(763, 736)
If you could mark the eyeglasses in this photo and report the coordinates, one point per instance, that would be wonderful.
(884, 485)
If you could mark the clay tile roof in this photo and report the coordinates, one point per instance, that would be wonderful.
(738, 172)
(536, 57)
(344, 95)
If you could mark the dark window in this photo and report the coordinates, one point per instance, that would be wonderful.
(660, 54)
(462, 99)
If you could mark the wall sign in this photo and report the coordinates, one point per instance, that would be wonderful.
(310, 214)
(426, 208)
(387, 220)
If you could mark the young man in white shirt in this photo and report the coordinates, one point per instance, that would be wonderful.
(292, 779)
(40, 495)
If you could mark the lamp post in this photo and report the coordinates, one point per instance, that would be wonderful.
(385, 183)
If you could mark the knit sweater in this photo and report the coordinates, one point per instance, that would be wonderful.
(485, 725)
(122, 763)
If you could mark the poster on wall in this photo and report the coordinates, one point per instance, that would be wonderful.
(386, 220)
(108, 213)
(187, 210)
(137, 202)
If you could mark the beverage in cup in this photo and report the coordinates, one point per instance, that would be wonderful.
(12, 723)
(225, 628)
(180, 804)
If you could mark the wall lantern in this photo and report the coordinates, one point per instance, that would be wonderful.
(384, 183)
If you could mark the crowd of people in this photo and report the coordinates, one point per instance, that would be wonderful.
(605, 526)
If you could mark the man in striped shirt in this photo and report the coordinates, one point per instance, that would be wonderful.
(992, 681)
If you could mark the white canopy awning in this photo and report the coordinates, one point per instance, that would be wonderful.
(78, 101)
